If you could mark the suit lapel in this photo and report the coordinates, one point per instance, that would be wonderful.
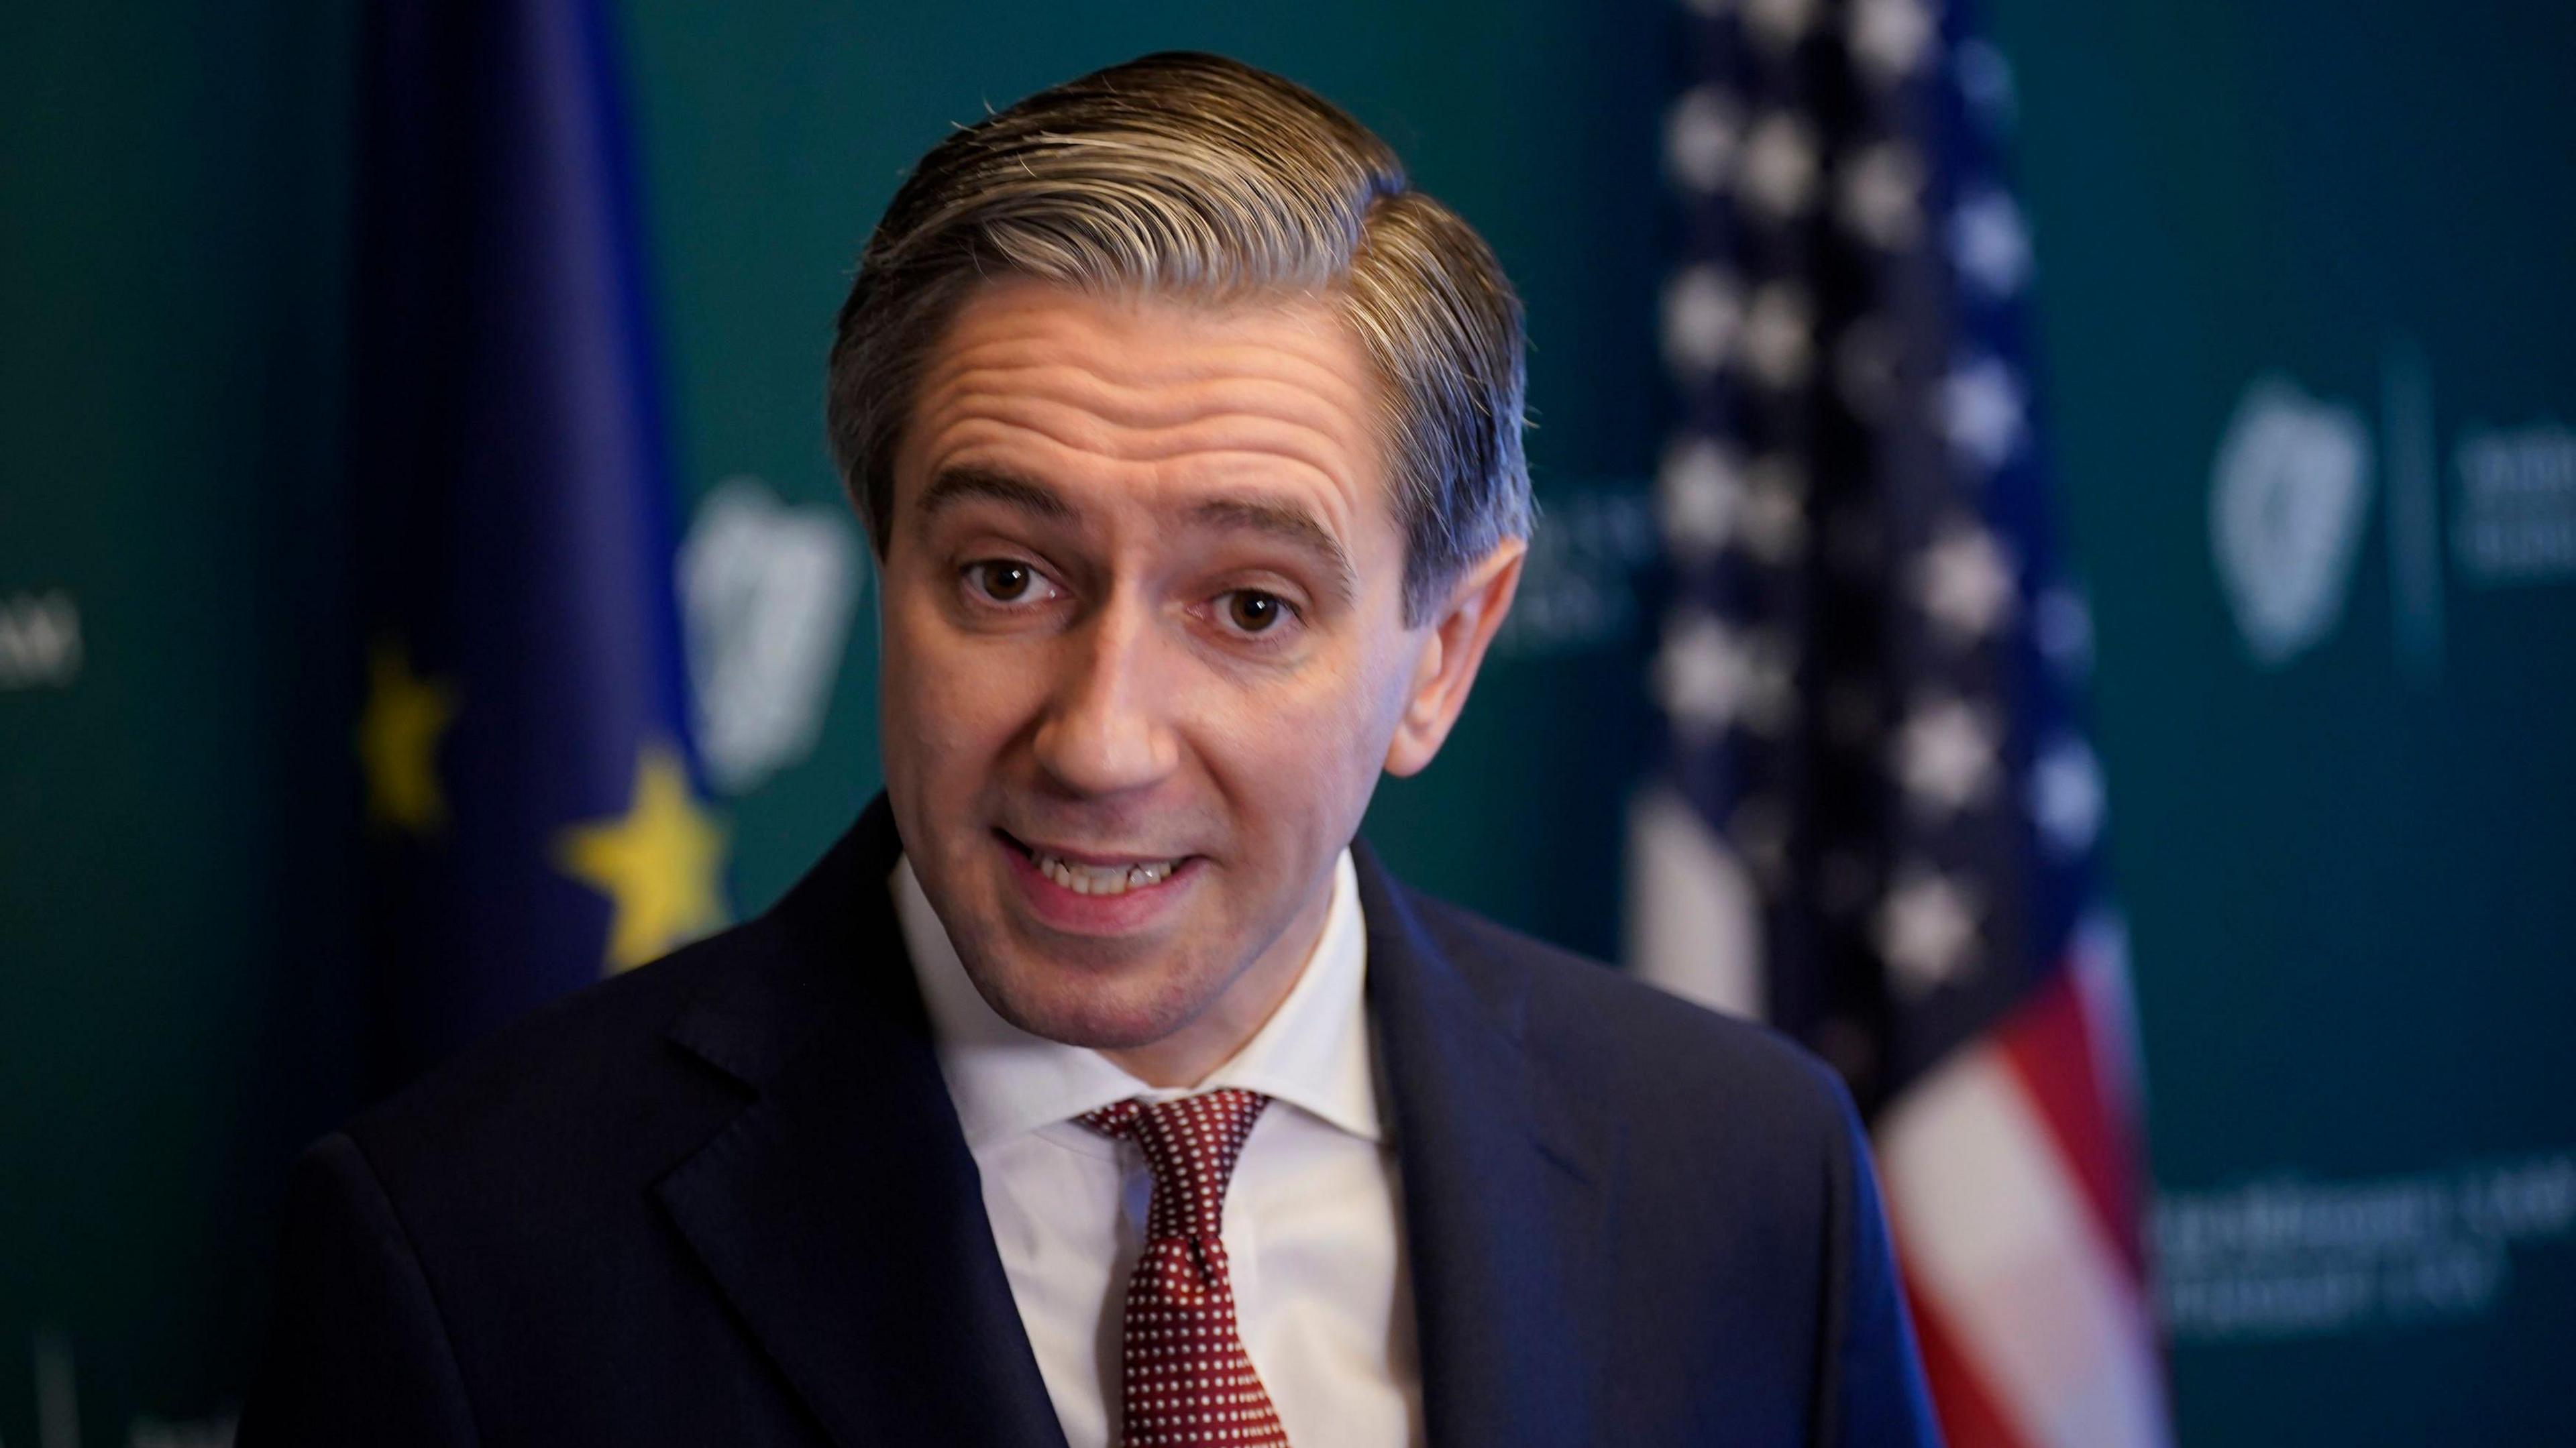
(1506, 1191)
(840, 1212)
(841, 1215)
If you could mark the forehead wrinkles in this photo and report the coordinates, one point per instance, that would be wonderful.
(1137, 392)
(1161, 400)
(990, 406)
(1127, 332)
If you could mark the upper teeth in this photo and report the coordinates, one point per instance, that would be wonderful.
(1102, 879)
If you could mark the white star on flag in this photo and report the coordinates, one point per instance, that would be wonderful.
(1880, 195)
(1890, 36)
(1989, 244)
(1779, 335)
(1945, 755)
(1703, 310)
(1701, 135)
(1779, 23)
(1778, 167)
(1701, 490)
(1982, 412)
(2066, 796)
(1773, 523)
(1927, 930)
(1709, 678)
(1966, 583)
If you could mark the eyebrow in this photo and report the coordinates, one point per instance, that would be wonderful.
(958, 485)
(1287, 523)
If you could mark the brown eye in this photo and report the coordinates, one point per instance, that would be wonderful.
(1004, 582)
(1253, 612)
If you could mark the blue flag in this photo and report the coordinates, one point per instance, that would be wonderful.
(534, 816)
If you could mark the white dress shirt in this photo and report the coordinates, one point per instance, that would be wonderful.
(1312, 1224)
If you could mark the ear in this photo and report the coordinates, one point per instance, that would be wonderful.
(1451, 655)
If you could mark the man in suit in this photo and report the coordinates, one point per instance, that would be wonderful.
(1097, 1087)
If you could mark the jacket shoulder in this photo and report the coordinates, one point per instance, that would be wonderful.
(1647, 1054)
(583, 1095)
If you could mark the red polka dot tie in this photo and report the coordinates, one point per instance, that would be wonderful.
(1186, 1380)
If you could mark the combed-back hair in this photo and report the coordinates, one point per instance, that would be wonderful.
(1196, 175)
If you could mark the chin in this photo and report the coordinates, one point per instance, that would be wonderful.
(1088, 1005)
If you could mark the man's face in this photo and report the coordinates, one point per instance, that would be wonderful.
(1143, 648)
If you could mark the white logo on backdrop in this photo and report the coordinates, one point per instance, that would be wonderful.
(40, 640)
(2516, 517)
(2288, 1258)
(2288, 496)
(1578, 588)
(767, 591)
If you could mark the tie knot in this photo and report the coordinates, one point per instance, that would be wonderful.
(1190, 1146)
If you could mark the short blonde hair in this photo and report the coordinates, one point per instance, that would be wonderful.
(1199, 175)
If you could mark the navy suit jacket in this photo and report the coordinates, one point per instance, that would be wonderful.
(724, 1199)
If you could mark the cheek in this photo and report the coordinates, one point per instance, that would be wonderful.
(945, 704)
(1306, 756)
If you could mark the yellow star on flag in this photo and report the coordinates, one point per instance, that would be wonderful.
(660, 864)
(398, 734)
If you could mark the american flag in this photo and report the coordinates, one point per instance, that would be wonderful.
(1878, 823)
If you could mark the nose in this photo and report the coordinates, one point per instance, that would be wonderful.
(1105, 730)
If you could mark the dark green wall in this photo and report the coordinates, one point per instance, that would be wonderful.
(2351, 878)
(171, 198)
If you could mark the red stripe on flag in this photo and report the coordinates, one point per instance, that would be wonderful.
(2048, 1041)
(1970, 1416)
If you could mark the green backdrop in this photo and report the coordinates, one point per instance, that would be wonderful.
(2351, 875)
(2349, 862)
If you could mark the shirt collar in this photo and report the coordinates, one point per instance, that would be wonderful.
(1313, 1052)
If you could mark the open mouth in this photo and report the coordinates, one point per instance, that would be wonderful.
(1096, 875)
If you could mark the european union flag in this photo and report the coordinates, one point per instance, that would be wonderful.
(534, 816)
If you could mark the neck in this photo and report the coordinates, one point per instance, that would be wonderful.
(1186, 1056)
